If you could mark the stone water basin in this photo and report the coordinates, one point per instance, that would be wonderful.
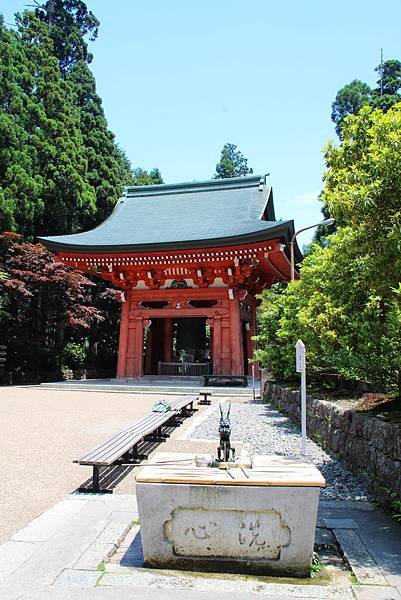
(258, 520)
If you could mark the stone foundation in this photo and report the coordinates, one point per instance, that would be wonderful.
(369, 446)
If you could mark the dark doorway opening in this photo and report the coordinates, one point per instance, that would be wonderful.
(171, 342)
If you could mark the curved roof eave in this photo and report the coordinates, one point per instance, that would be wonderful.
(283, 230)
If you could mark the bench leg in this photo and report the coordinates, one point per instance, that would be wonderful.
(95, 479)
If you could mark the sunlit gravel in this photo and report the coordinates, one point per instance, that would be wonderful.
(269, 432)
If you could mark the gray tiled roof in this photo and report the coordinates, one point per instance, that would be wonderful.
(217, 212)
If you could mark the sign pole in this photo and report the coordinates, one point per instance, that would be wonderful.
(253, 382)
(303, 411)
(301, 368)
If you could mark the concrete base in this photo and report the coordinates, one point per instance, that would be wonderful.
(241, 529)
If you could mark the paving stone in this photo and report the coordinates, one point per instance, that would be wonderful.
(61, 551)
(215, 586)
(116, 529)
(94, 555)
(107, 542)
(77, 578)
(361, 561)
(346, 505)
(373, 592)
(13, 555)
(340, 524)
(46, 525)
(121, 502)
(119, 593)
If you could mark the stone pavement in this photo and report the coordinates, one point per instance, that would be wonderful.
(67, 553)
(87, 547)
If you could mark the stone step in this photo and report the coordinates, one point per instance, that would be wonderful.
(150, 388)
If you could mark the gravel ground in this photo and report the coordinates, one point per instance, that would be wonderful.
(42, 431)
(269, 432)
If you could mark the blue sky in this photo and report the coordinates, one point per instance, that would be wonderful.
(180, 79)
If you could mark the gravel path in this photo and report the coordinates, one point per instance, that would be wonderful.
(42, 431)
(269, 432)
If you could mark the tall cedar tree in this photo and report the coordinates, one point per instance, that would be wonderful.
(70, 22)
(232, 163)
(350, 99)
(21, 182)
(43, 169)
(68, 198)
(108, 167)
(109, 170)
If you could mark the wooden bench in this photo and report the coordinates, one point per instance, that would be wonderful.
(237, 380)
(122, 447)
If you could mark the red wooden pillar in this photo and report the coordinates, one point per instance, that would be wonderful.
(123, 340)
(216, 350)
(135, 347)
(237, 356)
(168, 340)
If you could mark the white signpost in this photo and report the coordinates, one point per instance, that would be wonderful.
(301, 368)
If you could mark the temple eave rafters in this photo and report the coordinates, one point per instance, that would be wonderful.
(253, 266)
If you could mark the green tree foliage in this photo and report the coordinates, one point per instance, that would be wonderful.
(346, 306)
(232, 163)
(348, 101)
(69, 23)
(42, 164)
(108, 169)
(67, 196)
(323, 231)
(143, 177)
(20, 182)
(44, 305)
(60, 168)
(388, 85)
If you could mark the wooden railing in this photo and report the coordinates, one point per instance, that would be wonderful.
(183, 369)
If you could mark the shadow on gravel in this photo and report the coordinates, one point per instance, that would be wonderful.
(281, 421)
(111, 476)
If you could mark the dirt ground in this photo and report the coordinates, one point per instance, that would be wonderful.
(42, 432)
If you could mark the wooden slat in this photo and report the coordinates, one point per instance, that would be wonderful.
(305, 476)
(181, 403)
(114, 448)
(121, 442)
(136, 426)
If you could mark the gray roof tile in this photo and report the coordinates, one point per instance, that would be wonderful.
(217, 212)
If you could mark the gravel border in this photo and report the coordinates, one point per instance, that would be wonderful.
(267, 431)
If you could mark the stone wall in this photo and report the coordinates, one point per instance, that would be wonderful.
(370, 446)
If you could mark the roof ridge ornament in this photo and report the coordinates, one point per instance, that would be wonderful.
(263, 181)
(191, 186)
